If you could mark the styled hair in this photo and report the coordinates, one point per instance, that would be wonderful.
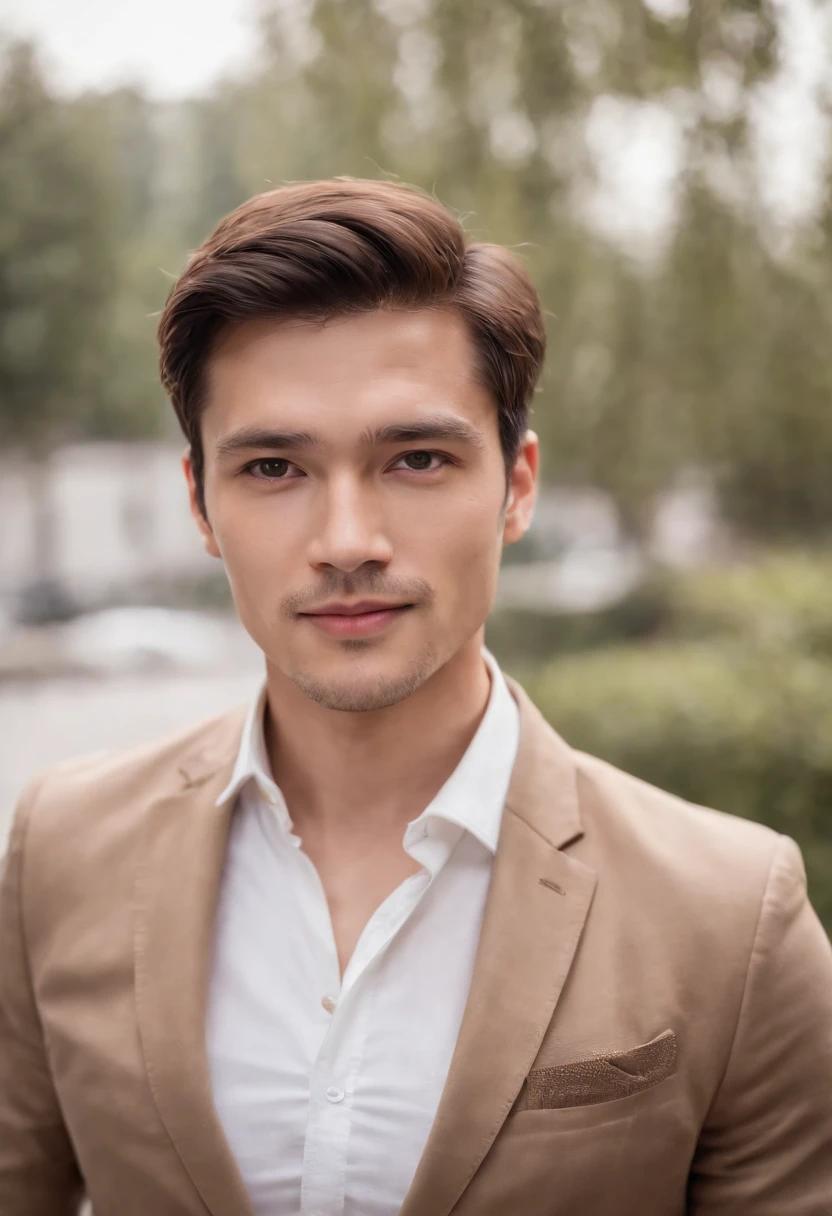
(329, 248)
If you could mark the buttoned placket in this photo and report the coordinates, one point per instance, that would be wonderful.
(344, 1010)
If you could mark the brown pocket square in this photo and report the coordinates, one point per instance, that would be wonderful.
(601, 1077)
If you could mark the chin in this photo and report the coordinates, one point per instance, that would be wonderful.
(362, 691)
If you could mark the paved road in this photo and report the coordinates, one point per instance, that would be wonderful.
(50, 720)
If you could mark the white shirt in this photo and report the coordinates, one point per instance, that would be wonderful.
(327, 1090)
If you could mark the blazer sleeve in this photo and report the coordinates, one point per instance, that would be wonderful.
(766, 1147)
(39, 1175)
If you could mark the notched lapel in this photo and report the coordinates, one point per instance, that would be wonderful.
(537, 906)
(176, 897)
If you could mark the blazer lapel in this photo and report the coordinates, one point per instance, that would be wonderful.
(537, 905)
(176, 897)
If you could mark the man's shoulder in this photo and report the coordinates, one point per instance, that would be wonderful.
(121, 784)
(632, 828)
(693, 849)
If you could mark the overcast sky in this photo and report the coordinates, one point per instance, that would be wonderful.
(174, 47)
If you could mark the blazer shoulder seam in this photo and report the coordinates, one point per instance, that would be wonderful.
(765, 902)
(15, 863)
(22, 813)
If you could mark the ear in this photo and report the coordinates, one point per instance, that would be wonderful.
(522, 490)
(202, 523)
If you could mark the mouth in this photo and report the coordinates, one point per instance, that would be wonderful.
(354, 620)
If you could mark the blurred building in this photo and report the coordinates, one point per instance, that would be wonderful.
(118, 516)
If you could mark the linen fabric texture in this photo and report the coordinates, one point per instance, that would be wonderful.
(624, 931)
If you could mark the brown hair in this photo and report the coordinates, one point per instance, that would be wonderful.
(320, 249)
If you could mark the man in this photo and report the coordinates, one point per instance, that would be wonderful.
(384, 943)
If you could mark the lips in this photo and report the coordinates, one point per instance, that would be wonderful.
(361, 608)
(355, 620)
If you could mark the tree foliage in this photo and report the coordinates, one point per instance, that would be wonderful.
(703, 344)
(57, 261)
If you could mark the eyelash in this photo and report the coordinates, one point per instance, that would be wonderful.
(440, 456)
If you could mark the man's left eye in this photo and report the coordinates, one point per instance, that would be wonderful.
(421, 462)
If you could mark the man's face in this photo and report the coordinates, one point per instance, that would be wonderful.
(355, 489)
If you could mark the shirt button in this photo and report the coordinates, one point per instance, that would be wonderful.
(334, 1094)
(329, 1004)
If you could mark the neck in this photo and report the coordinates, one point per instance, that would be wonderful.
(336, 768)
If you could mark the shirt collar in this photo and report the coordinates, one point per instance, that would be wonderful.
(474, 794)
(252, 758)
(472, 797)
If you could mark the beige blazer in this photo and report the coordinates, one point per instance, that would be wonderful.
(648, 1031)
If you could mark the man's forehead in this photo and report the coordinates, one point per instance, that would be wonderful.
(424, 341)
(352, 375)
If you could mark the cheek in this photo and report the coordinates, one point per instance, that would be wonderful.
(255, 549)
(461, 545)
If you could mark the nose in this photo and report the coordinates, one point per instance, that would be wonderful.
(350, 533)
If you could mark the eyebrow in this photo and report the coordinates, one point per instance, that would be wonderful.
(263, 439)
(433, 429)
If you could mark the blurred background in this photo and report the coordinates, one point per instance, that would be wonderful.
(662, 166)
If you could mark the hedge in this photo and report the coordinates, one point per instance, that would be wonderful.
(744, 728)
(785, 599)
(779, 599)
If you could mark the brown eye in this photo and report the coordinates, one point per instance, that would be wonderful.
(419, 462)
(272, 469)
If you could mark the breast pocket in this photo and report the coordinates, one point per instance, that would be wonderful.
(603, 1077)
(615, 1138)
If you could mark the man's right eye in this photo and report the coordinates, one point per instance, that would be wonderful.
(269, 469)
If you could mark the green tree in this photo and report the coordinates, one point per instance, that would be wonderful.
(145, 219)
(487, 107)
(57, 270)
